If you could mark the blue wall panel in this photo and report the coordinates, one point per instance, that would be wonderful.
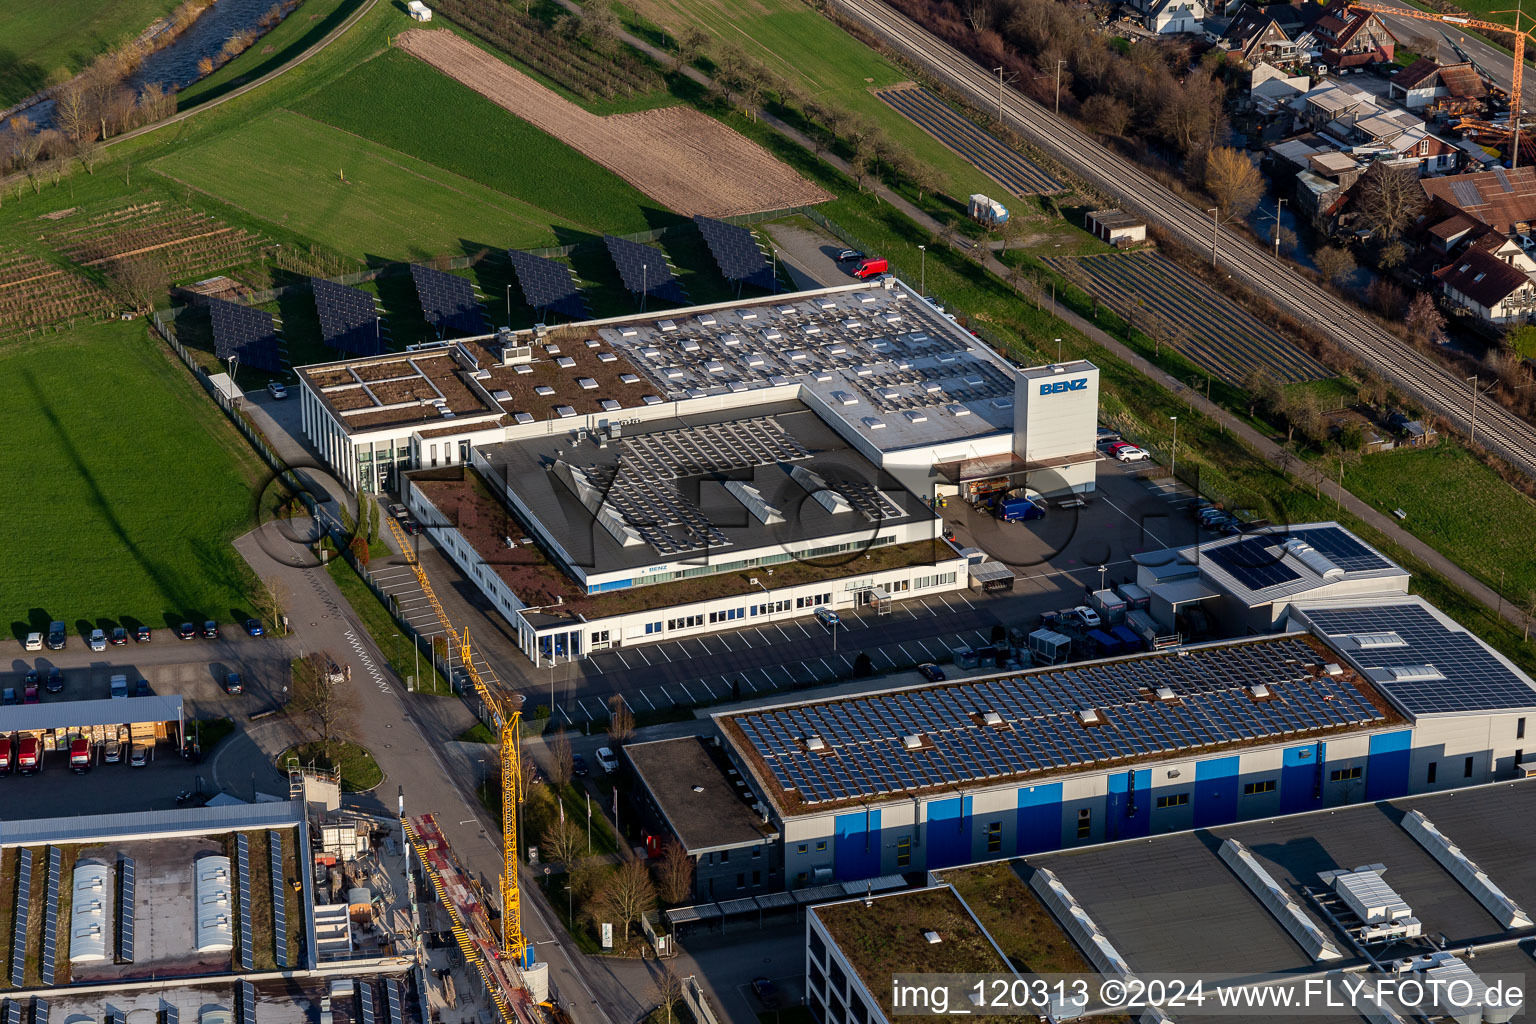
(856, 846)
(1039, 826)
(949, 832)
(1386, 771)
(1129, 805)
(1216, 783)
(1298, 778)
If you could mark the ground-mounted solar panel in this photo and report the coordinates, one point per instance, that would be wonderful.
(349, 320)
(23, 917)
(51, 915)
(247, 1003)
(736, 252)
(125, 907)
(644, 270)
(548, 285)
(1255, 562)
(246, 333)
(279, 897)
(448, 302)
(396, 1001)
(366, 1000)
(243, 860)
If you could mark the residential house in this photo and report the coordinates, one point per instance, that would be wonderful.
(1173, 17)
(1503, 199)
(1351, 37)
(1270, 89)
(1323, 177)
(1485, 285)
(1255, 36)
(1401, 137)
(1333, 101)
(1448, 88)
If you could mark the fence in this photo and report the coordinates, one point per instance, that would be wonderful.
(697, 1002)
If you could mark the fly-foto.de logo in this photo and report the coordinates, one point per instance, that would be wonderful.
(1057, 387)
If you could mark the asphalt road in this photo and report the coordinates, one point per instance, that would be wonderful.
(1431, 385)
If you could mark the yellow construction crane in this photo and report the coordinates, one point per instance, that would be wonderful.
(1461, 21)
(505, 714)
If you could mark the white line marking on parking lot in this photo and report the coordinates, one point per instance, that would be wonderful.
(647, 701)
(723, 643)
(962, 598)
(924, 647)
(704, 645)
(781, 631)
(664, 693)
(663, 652)
(710, 690)
(616, 654)
(686, 690)
(766, 676)
(641, 651)
(882, 652)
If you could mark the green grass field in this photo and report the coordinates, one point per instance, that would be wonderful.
(46, 40)
(391, 205)
(396, 100)
(801, 46)
(129, 486)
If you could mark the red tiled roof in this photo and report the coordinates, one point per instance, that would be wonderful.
(1499, 198)
(1483, 278)
(1416, 74)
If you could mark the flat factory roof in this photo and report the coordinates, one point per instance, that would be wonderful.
(1425, 662)
(897, 371)
(660, 493)
(214, 914)
(816, 755)
(693, 794)
(188, 821)
(1142, 891)
(83, 714)
(1283, 562)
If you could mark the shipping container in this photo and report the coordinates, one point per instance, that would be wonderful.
(1110, 606)
(985, 210)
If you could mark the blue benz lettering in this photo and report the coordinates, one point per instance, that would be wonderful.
(1061, 386)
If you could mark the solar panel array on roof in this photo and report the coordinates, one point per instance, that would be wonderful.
(365, 988)
(243, 866)
(279, 894)
(51, 919)
(1342, 549)
(23, 911)
(125, 902)
(864, 748)
(644, 270)
(349, 320)
(247, 333)
(448, 301)
(1441, 670)
(396, 1001)
(548, 284)
(1254, 562)
(247, 1003)
(737, 253)
(40, 1012)
(13, 1011)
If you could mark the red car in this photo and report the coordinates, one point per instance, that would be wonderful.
(871, 266)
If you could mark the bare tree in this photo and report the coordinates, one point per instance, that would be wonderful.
(621, 721)
(1106, 113)
(325, 698)
(1232, 181)
(1335, 263)
(674, 874)
(138, 281)
(563, 842)
(1424, 320)
(275, 598)
(1393, 254)
(978, 14)
(1389, 199)
(72, 111)
(689, 45)
(669, 991)
(88, 152)
(560, 764)
(628, 894)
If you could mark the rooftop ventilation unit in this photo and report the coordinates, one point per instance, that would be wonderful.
(1313, 559)
(913, 741)
(1383, 914)
(698, 789)
(1090, 716)
(666, 325)
(932, 937)
(706, 319)
(991, 718)
(814, 742)
(1165, 694)
(1260, 691)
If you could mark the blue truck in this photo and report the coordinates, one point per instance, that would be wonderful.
(1020, 510)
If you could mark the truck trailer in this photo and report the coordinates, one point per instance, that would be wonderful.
(988, 211)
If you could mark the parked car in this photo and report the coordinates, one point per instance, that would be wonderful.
(58, 636)
(187, 631)
(97, 640)
(1131, 453)
(931, 672)
(210, 630)
(398, 511)
(141, 635)
(34, 642)
(29, 692)
(871, 267)
(607, 760)
(410, 526)
(118, 687)
(8, 696)
(138, 757)
(1087, 617)
(111, 751)
(849, 254)
(55, 683)
(578, 765)
(119, 637)
(253, 627)
(232, 683)
(767, 993)
(141, 688)
(827, 617)
(1108, 435)
(277, 391)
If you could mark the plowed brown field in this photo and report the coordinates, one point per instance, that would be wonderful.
(683, 159)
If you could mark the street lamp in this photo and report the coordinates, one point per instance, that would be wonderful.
(1173, 464)
(922, 273)
(1102, 570)
(509, 304)
(1215, 228)
(1059, 63)
(1473, 381)
(1058, 350)
(1279, 205)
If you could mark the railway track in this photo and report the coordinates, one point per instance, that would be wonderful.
(1411, 372)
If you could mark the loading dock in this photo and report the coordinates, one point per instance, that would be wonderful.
(148, 720)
